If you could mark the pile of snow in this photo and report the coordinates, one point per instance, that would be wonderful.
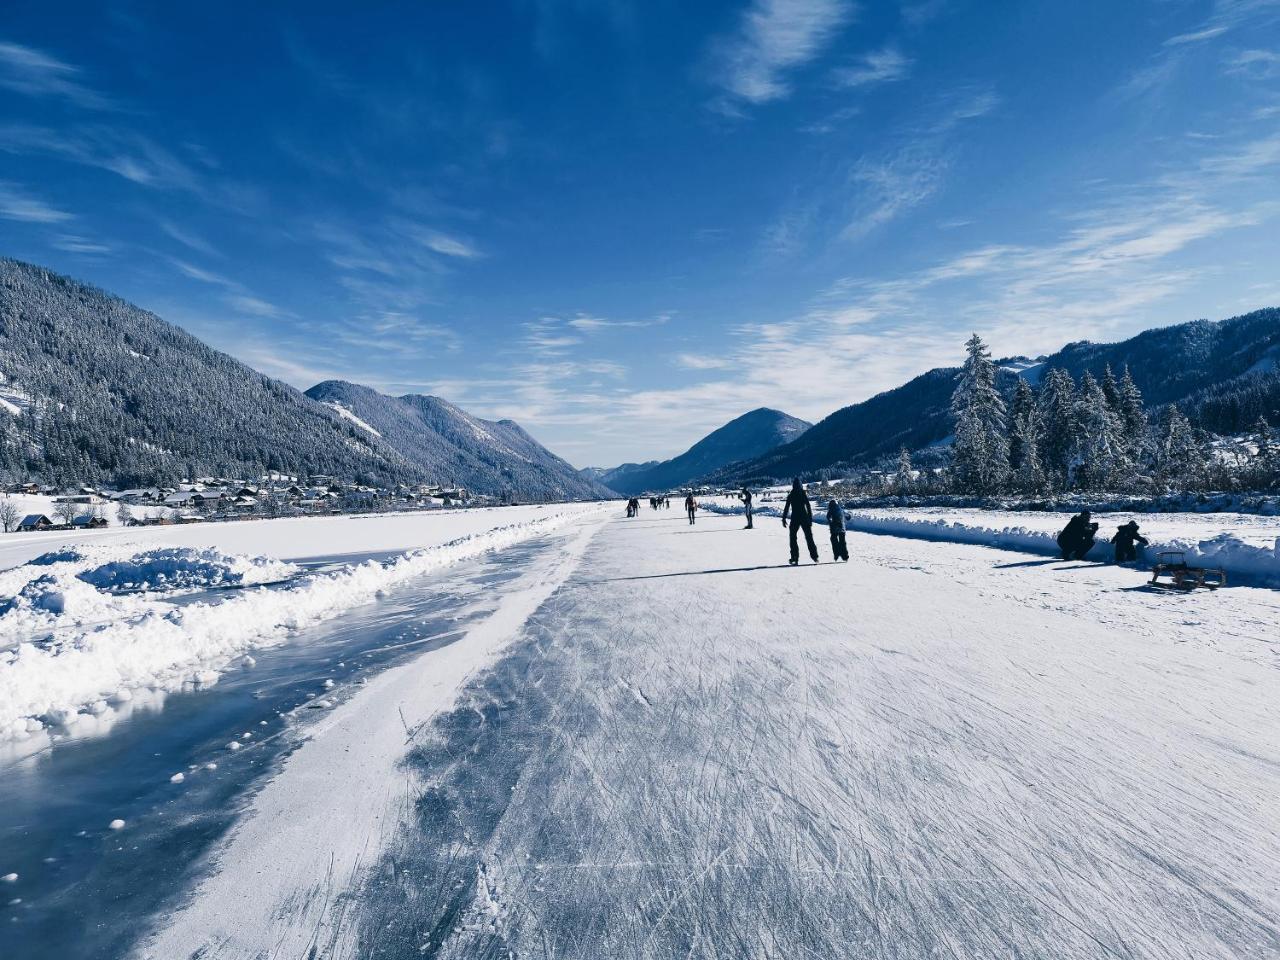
(75, 649)
(1250, 551)
(182, 568)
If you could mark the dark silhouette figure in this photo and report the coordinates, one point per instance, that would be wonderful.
(835, 523)
(691, 505)
(1077, 537)
(1126, 540)
(800, 511)
(746, 502)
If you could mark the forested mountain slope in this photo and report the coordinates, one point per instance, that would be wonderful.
(96, 389)
(448, 443)
(1222, 374)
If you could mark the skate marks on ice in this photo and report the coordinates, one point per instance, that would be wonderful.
(281, 885)
(795, 781)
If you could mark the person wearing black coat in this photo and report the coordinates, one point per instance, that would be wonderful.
(800, 512)
(1126, 540)
(746, 502)
(691, 505)
(835, 524)
(1077, 537)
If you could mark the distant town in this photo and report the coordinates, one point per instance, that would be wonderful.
(219, 499)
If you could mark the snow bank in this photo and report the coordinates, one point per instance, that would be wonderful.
(79, 648)
(1245, 554)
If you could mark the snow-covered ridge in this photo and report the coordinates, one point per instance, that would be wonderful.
(1251, 555)
(79, 648)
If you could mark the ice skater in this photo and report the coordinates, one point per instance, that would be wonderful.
(800, 511)
(746, 502)
(835, 524)
(1126, 540)
(691, 506)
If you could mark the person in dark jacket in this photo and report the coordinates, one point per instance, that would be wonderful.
(746, 502)
(1077, 537)
(835, 524)
(1126, 540)
(691, 505)
(800, 511)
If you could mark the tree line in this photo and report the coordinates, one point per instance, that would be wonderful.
(1091, 435)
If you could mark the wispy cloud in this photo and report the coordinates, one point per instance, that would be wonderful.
(35, 73)
(15, 204)
(236, 295)
(773, 38)
(70, 243)
(188, 239)
(879, 66)
(588, 324)
(446, 245)
(1196, 36)
(1255, 64)
(129, 155)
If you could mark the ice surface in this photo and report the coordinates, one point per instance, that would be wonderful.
(71, 644)
(689, 748)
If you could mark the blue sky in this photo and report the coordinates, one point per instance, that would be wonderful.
(624, 223)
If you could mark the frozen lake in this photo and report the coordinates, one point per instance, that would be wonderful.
(649, 739)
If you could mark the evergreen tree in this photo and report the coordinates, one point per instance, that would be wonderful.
(1133, 416)
(1057, 408)
(1098, 458)
(1024, 401)
(1111, 389)
(904, 480)
(980, 452)
(1181, 460)
(1265, 468)
(1025, 440)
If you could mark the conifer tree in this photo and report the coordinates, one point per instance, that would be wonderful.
(1111, 389)
(1023, 402)
(1181, 460)
(980, 451)
(1025, 440)
(1057, 409)
(904, 479)
(1098, 458)
(1134, 417)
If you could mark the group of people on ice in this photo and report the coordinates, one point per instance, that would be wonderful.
(1081, 533)
(797, 517)
(655, 503)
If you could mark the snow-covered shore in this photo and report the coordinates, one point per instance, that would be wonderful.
(1246, 546)
(71, 642)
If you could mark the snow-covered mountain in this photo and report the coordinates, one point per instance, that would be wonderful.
(1222, 374)
(97, 389)
(492, 457)
(94, 389)
(747, 436)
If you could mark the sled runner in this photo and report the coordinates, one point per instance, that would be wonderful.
(1179, 575)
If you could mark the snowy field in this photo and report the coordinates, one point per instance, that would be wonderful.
(659, 740)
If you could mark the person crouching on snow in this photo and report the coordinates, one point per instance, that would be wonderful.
(1126, 539)
(835, 524)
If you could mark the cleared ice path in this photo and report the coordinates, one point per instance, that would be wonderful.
(85, 890)
(692, 750)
